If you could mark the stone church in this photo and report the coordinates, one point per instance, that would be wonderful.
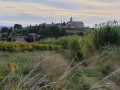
(69, 25)
(75, 24)
(72, 24)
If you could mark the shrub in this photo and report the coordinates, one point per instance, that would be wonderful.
(28, 47)
(12, 47)
(29, 38)
(22, 47)
(9, 46)
(106, 35)
(99, 38)
(67, 42)
(74, 43)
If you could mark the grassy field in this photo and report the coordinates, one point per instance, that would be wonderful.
(24, 70)
(44, 63)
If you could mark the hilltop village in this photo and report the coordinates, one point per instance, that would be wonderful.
(41, 31)
(79, 25)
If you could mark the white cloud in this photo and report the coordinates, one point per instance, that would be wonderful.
(94, 8)
(98, 9)
(24, 23)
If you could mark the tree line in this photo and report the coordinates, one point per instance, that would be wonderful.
(41, 31)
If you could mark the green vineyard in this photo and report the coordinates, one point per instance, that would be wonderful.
(15, 46)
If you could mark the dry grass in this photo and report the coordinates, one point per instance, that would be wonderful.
(47, 71)
(46, 67)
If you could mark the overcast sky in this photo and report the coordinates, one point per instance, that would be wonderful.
(33, 12)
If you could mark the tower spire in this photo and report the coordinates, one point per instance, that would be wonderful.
(71, 19)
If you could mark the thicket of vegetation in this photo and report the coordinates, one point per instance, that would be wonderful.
(91, 42)
(65, 41)
(41, 32)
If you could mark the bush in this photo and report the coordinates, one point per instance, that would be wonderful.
(99, 38)
(28, 47)
(29, 38)
(105, 36)
(9, 46)
(12, 47)
(67, 42)
(74, 43)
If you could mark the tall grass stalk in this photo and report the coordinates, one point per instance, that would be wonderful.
(105, 78)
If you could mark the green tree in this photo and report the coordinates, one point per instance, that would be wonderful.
(55, 31)
(4, 37)
(17, 26)
(24, 32)
(4, 30)
(45, 33)
(29, 38)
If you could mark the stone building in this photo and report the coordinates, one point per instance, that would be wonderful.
(75, 24)
(69, 25)
(72, 24)
(19, 39)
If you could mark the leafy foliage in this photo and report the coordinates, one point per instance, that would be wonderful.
(17, 26)
(29, 38)
(13, 46)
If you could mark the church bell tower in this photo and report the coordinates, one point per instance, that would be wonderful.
(71, 19)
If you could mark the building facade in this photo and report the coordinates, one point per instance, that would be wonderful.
(69, 25)
(75, 24)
